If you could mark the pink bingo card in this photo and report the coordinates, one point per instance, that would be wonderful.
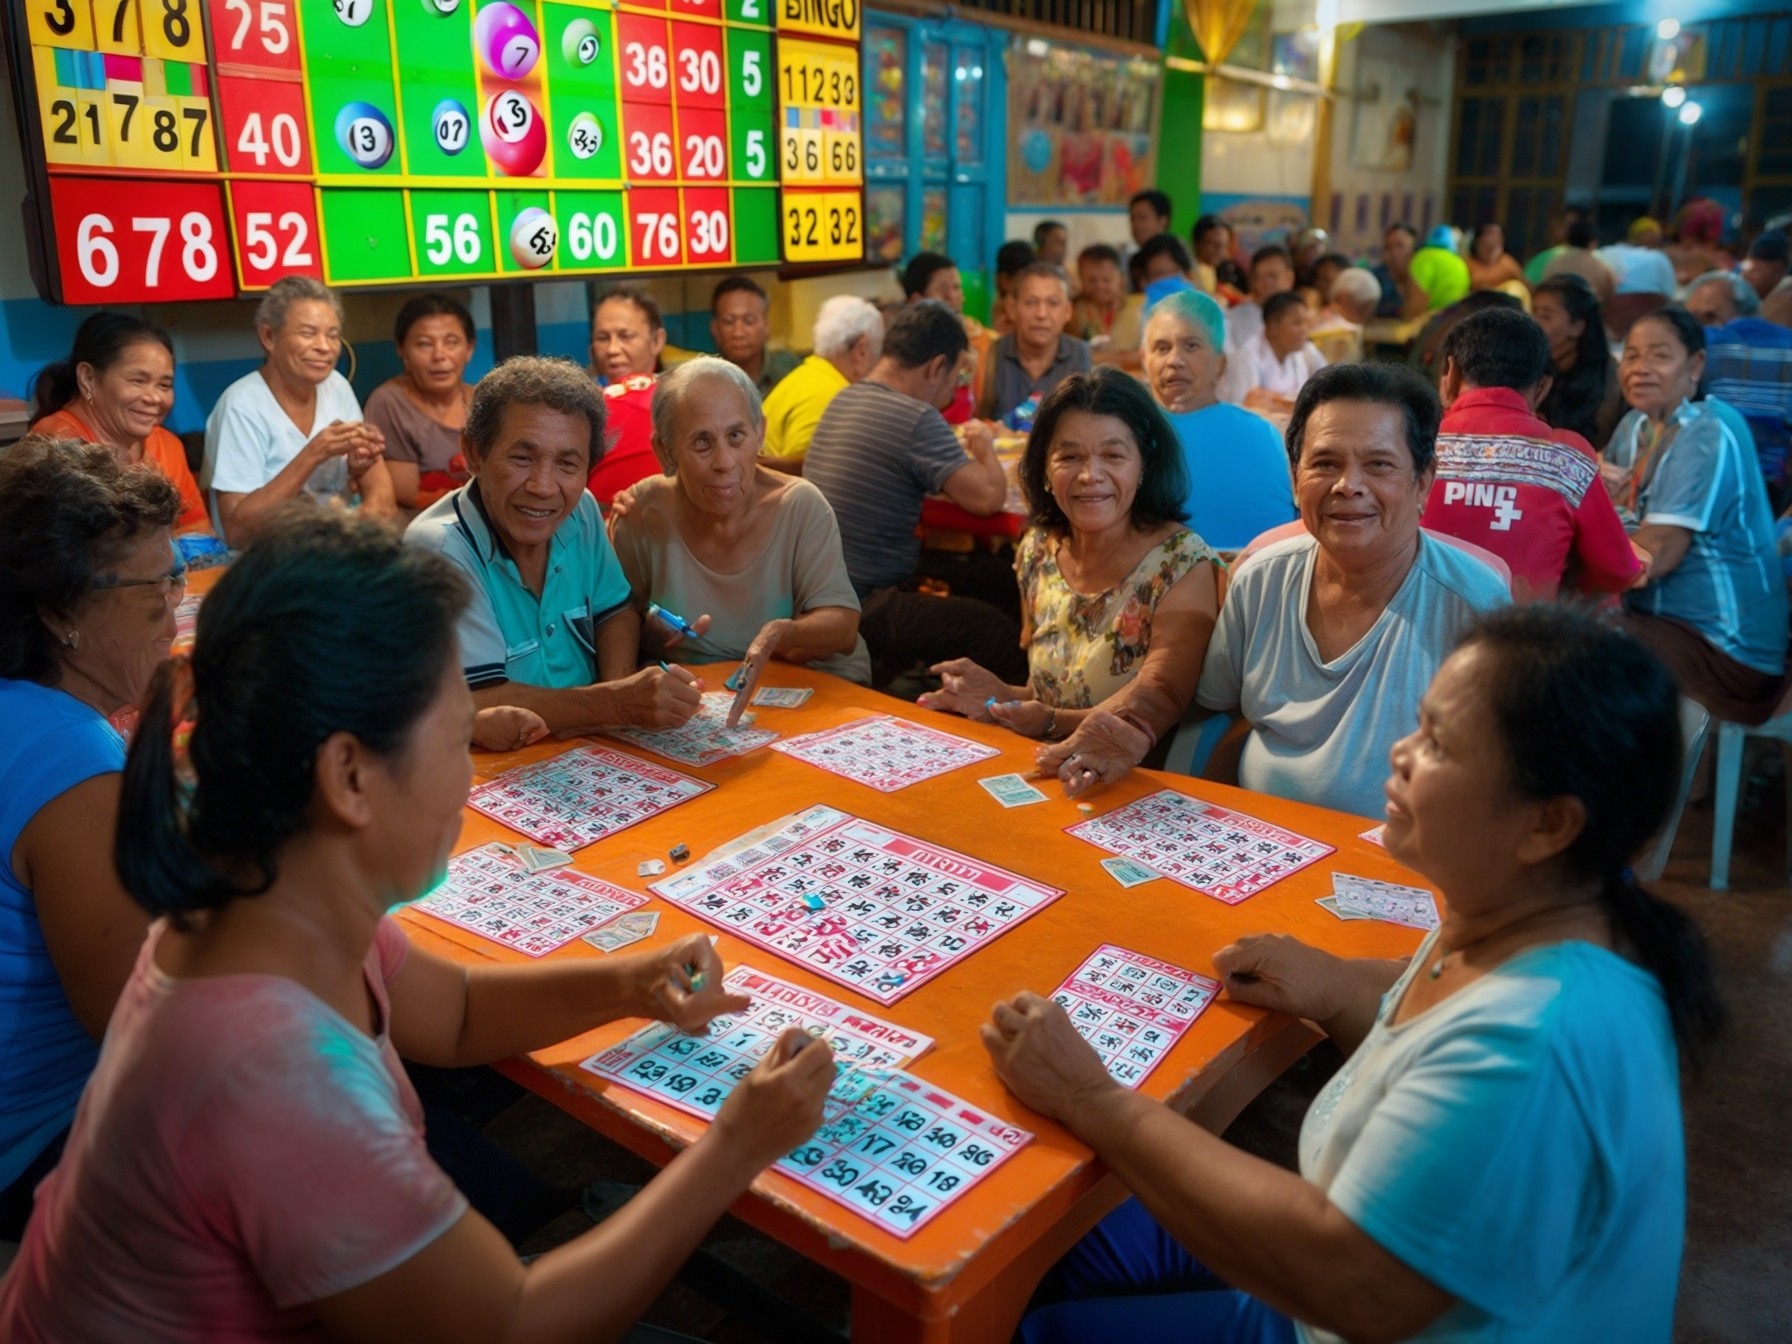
(492, 894)
(1220, 853)
(885, 753)
(583, 795)
(1132, 1008)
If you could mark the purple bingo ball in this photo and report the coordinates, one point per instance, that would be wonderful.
(506, 40)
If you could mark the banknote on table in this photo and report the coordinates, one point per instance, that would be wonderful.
(1011, 790)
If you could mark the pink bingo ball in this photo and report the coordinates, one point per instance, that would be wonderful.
(513, 133)
(506, 40)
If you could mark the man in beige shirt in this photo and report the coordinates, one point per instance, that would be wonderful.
(1578, 258)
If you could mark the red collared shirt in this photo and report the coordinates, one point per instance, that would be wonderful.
(1528, 493)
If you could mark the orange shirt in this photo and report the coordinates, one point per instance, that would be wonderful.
(162, 450)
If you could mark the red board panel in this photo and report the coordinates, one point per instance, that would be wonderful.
(649, 153)
(699, 75)
(644, 54)
(264, 127)
(275, 227)
(708, 226)
(140, 242)
(703, 146)
(261, 33)
(655, 227)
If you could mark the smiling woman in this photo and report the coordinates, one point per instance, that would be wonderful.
(421, 410)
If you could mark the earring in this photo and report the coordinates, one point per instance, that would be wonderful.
(72, 639)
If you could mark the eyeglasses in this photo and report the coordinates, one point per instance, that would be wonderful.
(174, 579)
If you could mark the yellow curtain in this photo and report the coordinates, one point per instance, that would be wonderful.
(1218, 24)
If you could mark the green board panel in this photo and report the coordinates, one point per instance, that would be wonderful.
(437, 71)
(347, 63)
(755, 149)
(580, 92)
(756, 12)
(751, 74)
(452, 232)
(510, 205)
(593, 231)
(755, 226)
(364, 235)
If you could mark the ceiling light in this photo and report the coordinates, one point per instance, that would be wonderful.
(1690, 114)
(1668, 29)
(1673, 96)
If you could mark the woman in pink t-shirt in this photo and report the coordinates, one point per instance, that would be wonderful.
(248, 1161)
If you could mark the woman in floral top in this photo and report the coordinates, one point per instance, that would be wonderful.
(1118, 598)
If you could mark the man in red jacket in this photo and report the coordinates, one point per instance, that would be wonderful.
(1507, 481)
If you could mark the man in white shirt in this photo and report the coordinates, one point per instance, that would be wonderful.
(1269, 369)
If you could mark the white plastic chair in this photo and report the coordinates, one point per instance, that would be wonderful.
(1695, 722)
(1730, 740)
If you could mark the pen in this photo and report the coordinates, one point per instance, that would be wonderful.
(671, 618)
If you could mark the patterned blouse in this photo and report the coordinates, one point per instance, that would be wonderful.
(1081, 648)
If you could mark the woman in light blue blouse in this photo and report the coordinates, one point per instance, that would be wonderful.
(89, 580)
(1500, 1157)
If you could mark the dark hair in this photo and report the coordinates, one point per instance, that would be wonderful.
(737, 284)
(1099, 252)
(1578, 393)
(1272, 252)
(420, 306)
(1770, 247)
(649, 306)
(329, 623)
(924, 332)
(1337, 259)
(1382, 384)
(1401, 226)
(1043, 228)
(68, 512)
(1163, 477)
(1683, 324)
(1013, 257)
(100, 341)
(1581, 233)
(1485, 225)
(1277, 304)
(919, 273)
(1041, 270)
(1163, 245)
(1159, 203)
(1206, 225)
(533, 380)
(1499, 347)
(1586, 712)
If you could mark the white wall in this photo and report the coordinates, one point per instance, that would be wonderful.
(1276, 161)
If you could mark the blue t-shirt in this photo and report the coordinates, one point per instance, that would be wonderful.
(49, 742)
(1238, 480)
(1519, 1145)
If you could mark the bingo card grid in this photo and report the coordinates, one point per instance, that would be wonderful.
(892, 1148)
(703, 739)
(583, 795)
(1212, 849)
(532, 913)
(896, 911)
(885, 753)
(1132, 1008)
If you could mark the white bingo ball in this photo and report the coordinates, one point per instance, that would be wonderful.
(533, 238)
(452, 126)
(585, 136)
(441, 6)
(364, 134)
(354, 12)
(511, 116)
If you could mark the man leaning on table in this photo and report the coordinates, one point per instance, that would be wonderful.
(550, 627)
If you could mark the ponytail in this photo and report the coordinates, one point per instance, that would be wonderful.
(1665, 941)
(55, 387)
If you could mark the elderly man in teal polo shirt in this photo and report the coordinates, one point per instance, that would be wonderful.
(551, 627)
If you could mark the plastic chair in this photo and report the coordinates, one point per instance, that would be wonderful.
(1695, 722)
(1730, 739)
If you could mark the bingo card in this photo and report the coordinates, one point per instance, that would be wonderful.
(534, 913)
(892, 1148)
(885, 753)
(1132, 1008)
(704, 739)
(869, 908)
(582, 795)
(1220, 853)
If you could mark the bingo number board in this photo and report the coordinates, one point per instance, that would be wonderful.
(193, 149)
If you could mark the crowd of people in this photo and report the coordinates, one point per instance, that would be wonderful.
(1465, 603)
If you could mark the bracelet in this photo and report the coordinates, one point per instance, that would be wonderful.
(1051, 725)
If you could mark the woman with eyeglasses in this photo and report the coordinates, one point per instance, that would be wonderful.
(89, 580)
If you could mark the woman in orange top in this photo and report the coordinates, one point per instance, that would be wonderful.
(114, 388)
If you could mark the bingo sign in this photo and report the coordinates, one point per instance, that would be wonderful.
(196, 149)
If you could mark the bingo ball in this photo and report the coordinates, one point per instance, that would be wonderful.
(533, 238)
(513, 133)
(442, 7)
(353, 12)
(452, 126)
(504, 37)
(585, 136)
(364, 134)
(579, 43)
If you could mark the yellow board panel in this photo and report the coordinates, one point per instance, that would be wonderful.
(60, 108)
(198, 140)
(117, 27)
(90, 123)
(60, 23)
(822, 226)
(838, 19)
(172, 31)
(164, 131)
(128, 125)
(800, 159)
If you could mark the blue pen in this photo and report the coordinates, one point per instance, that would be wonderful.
(671, 618)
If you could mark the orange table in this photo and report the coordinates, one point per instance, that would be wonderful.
(968, 1274)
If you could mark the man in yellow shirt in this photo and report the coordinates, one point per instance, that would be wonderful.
(849, 340)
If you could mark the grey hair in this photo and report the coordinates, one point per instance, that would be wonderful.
(842, 320)
(669, 393)
(1357, 283)
(533, 380)
(1748, 303)
(283, 293)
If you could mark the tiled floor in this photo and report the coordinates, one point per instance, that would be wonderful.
(1736, 1285)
